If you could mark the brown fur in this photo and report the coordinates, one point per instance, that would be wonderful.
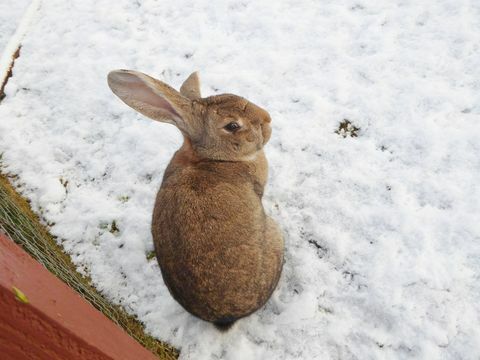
(220, 255)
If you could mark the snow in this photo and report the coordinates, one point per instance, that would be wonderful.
(14, 20)
(381, 230)
(10, 15)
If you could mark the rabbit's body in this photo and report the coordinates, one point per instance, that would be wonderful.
(224, 258)
(220, 255)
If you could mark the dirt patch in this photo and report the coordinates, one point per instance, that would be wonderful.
(346, 128)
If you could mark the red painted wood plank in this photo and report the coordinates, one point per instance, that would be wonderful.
(56, 323)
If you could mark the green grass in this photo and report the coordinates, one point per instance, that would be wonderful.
(19, 222)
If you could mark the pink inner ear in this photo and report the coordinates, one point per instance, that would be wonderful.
(143, 93)
(136, 89)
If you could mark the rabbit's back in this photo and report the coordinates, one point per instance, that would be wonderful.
(209, 233)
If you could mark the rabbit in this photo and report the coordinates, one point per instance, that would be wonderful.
(220, 255)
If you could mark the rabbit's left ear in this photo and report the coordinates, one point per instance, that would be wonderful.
(152, 98)
(191, 87)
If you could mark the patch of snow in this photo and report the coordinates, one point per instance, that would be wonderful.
(10, 15)
(14, 20)
(381, 230)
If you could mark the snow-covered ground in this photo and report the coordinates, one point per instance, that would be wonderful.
(10, 15)
(382, 230)
(14, 16)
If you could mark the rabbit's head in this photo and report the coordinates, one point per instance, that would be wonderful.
(222, 127)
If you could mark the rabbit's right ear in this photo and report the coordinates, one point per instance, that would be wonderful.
(191, 87)
(151, 97)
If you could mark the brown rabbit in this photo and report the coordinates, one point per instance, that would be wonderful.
(220, 255)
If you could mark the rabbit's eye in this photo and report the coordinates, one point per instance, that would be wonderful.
(232, 127)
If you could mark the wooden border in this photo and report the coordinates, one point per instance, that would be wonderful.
(42, 318)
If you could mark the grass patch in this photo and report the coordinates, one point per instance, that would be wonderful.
(24, 227)
(151, 255)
